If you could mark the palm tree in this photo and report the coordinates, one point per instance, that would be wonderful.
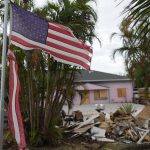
(74, 15)
(77, 15)
(138, 11)
(135, 51)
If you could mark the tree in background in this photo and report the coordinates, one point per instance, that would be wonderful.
(135, 35)
(138, 12)
(1, 25)
(136, 51)
(77, 15)
(46, 84)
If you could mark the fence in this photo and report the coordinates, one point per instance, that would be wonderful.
(141, 95)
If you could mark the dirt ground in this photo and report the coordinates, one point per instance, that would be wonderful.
(95, 146)
(85, 144)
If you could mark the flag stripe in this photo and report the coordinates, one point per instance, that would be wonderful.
(29, 44)
(16, 37)
(66, 62)
(58, 29)
(69, 50)
(68, 36)
(62, 41)
(72, 62)
(14, 114)
(12, 106)
(59, 57)
(58, 25)
(64, 45)
(70, 59)
(59, 34)
(49, 49)
(11, 84)
(22, 144)
(21, 46)
(76, 59)
(18, 40)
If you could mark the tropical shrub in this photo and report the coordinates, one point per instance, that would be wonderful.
(127, 108)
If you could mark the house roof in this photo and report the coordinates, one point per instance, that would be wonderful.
(94, 76)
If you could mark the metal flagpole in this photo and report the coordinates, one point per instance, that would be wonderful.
(3, 74)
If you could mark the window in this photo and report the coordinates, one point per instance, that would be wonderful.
(100, 94)
(121, 92)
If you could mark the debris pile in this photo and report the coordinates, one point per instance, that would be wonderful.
(121, 127)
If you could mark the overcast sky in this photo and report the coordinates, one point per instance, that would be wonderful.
(108, 22)
(109, 19)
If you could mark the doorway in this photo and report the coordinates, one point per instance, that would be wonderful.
(85, 97)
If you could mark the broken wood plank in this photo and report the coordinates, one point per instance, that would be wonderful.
(142, 129)
(145, 113)
(82, 130)
(141, 139)
(85, 128)
(87, 121)
(124, 118)
(105, 140)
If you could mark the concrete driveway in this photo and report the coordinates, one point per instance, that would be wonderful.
(90, 109)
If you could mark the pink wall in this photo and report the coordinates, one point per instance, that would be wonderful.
(113, 86)
(112, 91)
(76, 99)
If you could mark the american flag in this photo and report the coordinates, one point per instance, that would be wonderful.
(28, 32)
(32, 32)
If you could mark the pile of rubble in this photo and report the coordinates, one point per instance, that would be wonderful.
(119, 127)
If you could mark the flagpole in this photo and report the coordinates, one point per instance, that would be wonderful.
(3, 74)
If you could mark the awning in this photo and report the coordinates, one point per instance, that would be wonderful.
(89, 86)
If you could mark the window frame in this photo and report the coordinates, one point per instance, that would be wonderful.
(121, 92)
(99, 94)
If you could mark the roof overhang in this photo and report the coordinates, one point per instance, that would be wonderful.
(89, 86)
(108, 80)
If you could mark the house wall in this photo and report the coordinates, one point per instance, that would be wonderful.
(77, 98)
(113, 86)
(112, 93)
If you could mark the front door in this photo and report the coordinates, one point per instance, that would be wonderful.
(85, 97)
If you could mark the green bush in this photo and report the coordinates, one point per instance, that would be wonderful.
(8, 136)
(127, 108)
(53, 135)
(36, 138)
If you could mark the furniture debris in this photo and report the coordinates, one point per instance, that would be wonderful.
(121, 127)
(78, 116)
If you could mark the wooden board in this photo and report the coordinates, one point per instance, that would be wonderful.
(145, 113)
